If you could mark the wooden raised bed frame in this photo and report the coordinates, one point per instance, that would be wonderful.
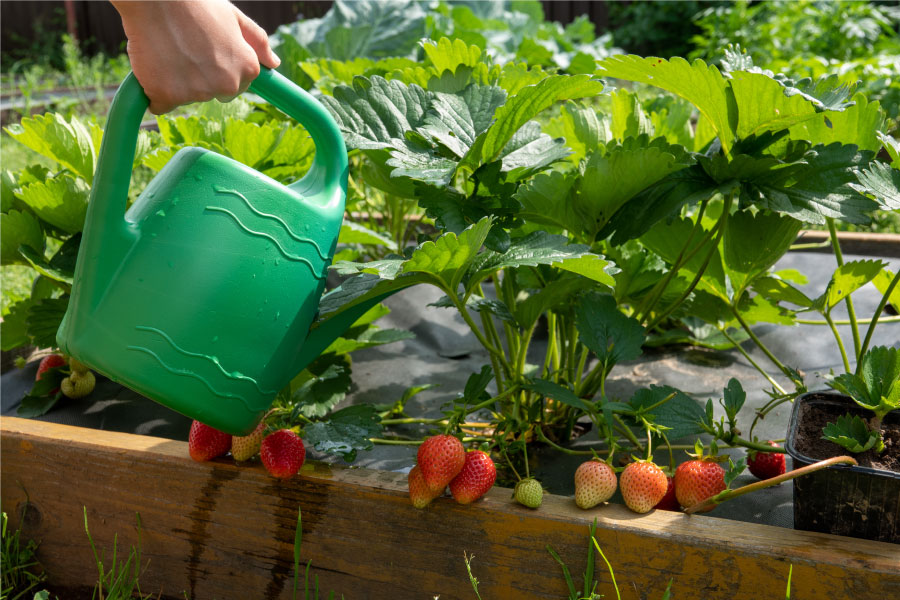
(222, 530)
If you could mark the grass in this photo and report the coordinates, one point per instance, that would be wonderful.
(117, 579)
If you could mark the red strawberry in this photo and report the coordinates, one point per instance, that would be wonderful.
(766, 465)
(595, 482)
(643, 485)
(440, 458)
(245, 447)
(282, 453)
(475, 479)
(419, 492)
(697, 480)
(206, 443)
(48, 362)
(669, 502)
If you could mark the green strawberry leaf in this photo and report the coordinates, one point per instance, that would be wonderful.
(321, 393)
(701, 85)
(17, 229)
(34, 404)
(14, 327)
(778, 290)
(682, 415)
(546, 199)
(61, 200)
(346, 431)
(852, 433)
(44, 318)
(536, 248)
(65, 141)
(557, 392)
(881, 181)
(581, 127)
(369, 338)
(891, 146)
(478, 304)
(448, 257)
(858, 125)
(882, 281)
(523, 107)
(611, 335)
(733, 398)
(591, 266)
(455, 121)
(758, 309)
(375, 111)
(40, 264)
(354, 233)
(827, 93)
(446, 55)
(628, 117)
(475, 389)
(817, 188)
(845, 280)
(753, 243)
(556, 293)
(763, 104)
(659, 201)
(734, 470)
(613, 177)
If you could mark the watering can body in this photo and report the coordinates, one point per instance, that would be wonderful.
(202, 294)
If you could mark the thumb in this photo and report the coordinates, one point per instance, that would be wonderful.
(256, 37)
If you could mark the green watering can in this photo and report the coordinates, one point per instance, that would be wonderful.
(202, 294)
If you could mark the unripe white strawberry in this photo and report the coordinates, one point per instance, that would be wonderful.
(595, 482)
(247, 446)
(78, 385)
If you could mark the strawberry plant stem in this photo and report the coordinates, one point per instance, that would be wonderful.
(761, 346)
(464, 312)
(875, 318)
(658, 290)
(840, 342)
(847, 322)
(851, 313)
(746, 355)
(628, 433)
(760, 485)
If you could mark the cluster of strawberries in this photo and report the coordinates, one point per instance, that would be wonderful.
(79, 382)
(442, 461)
(281, 452)
(645, 486)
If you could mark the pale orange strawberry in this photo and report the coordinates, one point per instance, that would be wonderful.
(643, 485)
(595, 482)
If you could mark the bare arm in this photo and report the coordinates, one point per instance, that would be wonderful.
(192, 50)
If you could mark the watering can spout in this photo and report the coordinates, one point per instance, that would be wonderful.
(322, 334)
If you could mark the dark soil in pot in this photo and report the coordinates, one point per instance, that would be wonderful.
(809, 441)
(861, 501)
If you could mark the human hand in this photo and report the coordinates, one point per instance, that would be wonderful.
(192, 50)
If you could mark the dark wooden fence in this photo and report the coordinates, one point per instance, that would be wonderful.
(28, 27)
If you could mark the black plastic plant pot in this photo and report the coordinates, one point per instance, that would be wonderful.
(854, 501)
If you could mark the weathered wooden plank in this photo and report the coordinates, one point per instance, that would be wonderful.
(221, 530)
(854, 242)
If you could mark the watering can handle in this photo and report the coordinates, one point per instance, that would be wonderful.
(113, 174)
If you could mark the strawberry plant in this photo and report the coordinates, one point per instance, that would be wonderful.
(628, 227)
